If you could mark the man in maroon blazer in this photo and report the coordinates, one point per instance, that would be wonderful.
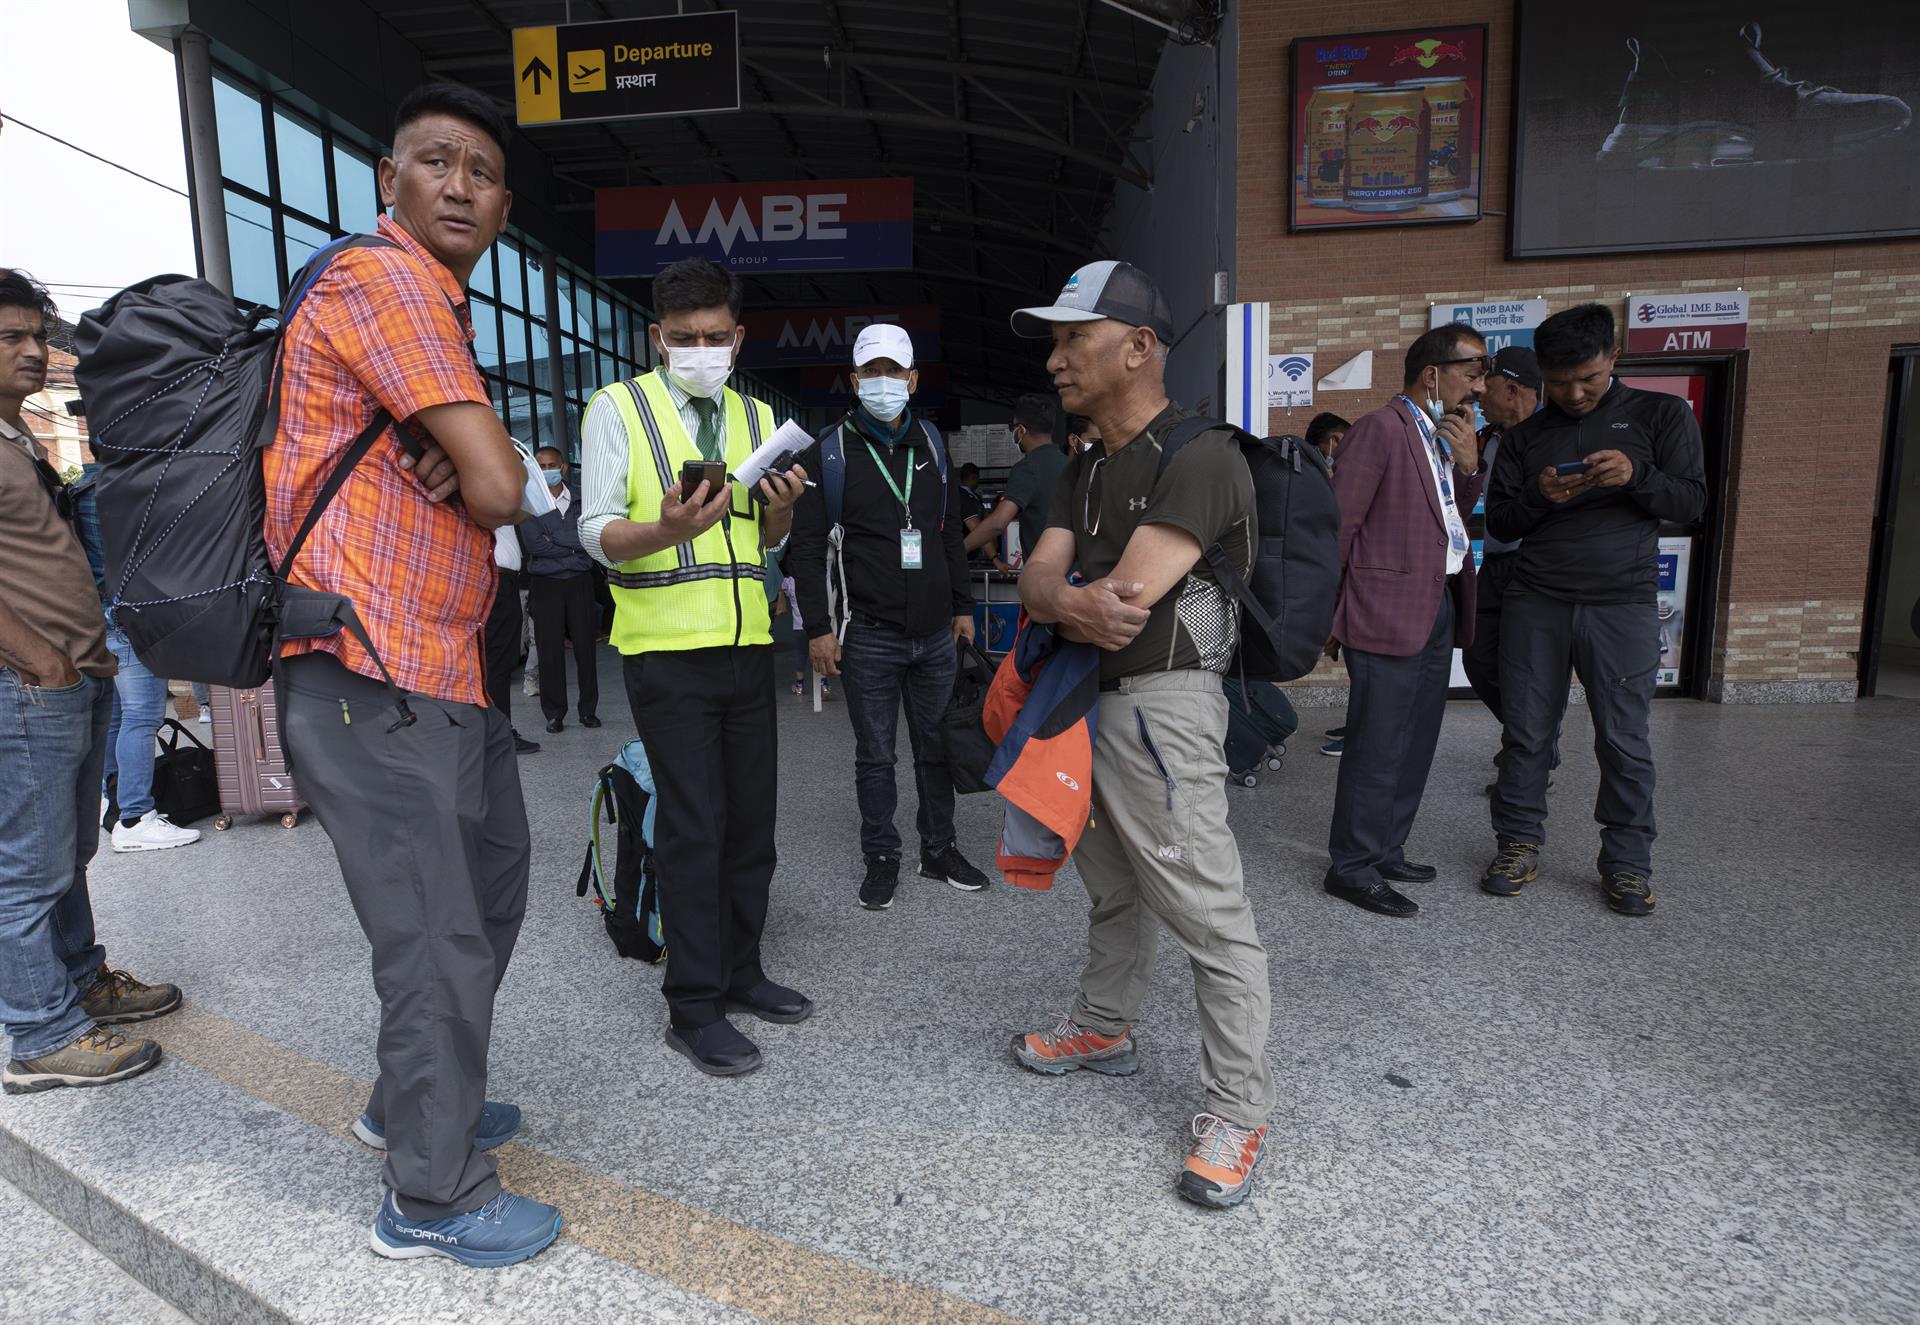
(1409, 473)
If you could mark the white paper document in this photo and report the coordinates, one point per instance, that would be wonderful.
(789, 439)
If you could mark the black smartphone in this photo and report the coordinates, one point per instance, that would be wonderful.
(693, 472)
(1571, 468)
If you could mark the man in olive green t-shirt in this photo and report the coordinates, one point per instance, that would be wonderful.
(1157, 848)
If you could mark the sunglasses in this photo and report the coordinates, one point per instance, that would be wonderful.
(1484, 361)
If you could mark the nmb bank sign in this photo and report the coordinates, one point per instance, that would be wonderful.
(765, 227)
(1503, 323)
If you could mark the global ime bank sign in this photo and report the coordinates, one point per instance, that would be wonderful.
(1669, 323)
(764, 227)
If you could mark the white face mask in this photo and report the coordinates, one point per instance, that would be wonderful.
(884, 397)
(701, 370)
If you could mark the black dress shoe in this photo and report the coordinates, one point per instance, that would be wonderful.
(1375, 897)
(771, 1002)
(555, 725)
(717, 1049)
(1408, 872)
(522, 746)
(589, 721)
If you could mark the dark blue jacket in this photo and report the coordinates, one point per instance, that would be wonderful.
(551, 542)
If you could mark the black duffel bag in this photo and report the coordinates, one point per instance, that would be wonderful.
(186, 787)
(963, 732)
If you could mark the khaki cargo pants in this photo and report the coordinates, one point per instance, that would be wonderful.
(1158, 852)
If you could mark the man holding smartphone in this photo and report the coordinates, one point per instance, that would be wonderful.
(1586, 483)
(692, 621)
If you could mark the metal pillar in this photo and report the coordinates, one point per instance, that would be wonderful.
(203, 159)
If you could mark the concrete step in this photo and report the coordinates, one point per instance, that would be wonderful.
(226, 1208)
(52, 1275)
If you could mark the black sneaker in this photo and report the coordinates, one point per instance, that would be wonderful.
(1514, 866)
(952, 868)
(1628, 893)
(883, 876)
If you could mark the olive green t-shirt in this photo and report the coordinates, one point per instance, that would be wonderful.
(1207, 491)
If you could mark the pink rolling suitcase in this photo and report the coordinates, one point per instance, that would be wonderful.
(248, 760)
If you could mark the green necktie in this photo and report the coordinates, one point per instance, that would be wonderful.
(712, 445)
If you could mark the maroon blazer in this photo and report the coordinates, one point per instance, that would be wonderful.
(1393, 538)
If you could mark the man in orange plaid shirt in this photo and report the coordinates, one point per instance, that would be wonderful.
(421, 794)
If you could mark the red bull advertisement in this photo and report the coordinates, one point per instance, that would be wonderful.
(1387, 150)
(1406, 107)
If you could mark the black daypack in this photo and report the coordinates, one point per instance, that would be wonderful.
(963, 732)
(629, 900)
(1287, 603)
(182, 387)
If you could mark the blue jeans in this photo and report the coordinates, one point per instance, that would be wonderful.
(139, 705)
(882, 666)
(52, 746)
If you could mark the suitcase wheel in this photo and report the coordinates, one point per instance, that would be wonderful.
(1273, 761)
(222, 823)
(289, 819)
(1250, 778)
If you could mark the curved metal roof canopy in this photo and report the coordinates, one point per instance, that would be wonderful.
(1015, 119)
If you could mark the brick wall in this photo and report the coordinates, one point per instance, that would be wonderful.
(1824, 317)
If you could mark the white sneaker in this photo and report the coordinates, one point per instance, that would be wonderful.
(206, 717)
(152, 833)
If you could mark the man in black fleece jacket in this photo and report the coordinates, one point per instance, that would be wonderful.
(1582, 594)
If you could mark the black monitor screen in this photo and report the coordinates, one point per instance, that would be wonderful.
(1647, 125)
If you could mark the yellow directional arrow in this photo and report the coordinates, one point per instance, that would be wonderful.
(536, 60)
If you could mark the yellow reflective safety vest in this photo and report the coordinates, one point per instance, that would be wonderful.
(700, 595)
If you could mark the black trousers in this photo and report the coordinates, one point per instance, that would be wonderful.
(502, 640)
(1615, 650)
(563, 607)
(706, 717)
(1394, 710)
(1480, 660)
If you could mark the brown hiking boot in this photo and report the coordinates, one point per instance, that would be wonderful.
(116, 997)
(96, 1058)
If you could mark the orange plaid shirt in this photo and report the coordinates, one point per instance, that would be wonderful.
(383, 327)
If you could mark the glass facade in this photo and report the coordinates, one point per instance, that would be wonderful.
(546, 331)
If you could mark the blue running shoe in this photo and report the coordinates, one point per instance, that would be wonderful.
(506, 1230)
(498, 1123)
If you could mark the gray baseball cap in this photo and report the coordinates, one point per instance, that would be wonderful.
(1117, 290)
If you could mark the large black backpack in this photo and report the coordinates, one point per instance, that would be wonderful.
(182, 389)
(1287, 603)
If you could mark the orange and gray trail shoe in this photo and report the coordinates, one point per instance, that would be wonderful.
(1070, 1046)
(1219, 1171)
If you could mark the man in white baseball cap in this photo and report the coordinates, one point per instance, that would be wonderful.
(880, 570)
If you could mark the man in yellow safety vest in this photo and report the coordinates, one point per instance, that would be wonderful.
(687, 565)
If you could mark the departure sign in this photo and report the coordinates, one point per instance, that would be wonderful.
(630, 68)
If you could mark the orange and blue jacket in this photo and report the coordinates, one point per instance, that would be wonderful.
(1041, 711)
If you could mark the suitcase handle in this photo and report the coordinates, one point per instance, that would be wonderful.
(258, 729)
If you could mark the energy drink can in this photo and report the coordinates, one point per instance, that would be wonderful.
(1387, 150)
(1449, 154)
(1326, 164)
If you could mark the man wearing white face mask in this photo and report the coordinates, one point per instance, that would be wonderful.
(560, 597)
(691, 618)
(885, 602)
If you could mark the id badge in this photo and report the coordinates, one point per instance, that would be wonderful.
(910, 551)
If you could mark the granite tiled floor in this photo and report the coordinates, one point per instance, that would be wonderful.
(1529, 1109)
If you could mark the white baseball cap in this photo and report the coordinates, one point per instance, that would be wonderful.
(883, 340)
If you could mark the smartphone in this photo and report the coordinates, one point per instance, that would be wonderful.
(694, 471)
(1571, 468)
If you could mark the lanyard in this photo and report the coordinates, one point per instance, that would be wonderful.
(1440, 457)
(904, 498)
